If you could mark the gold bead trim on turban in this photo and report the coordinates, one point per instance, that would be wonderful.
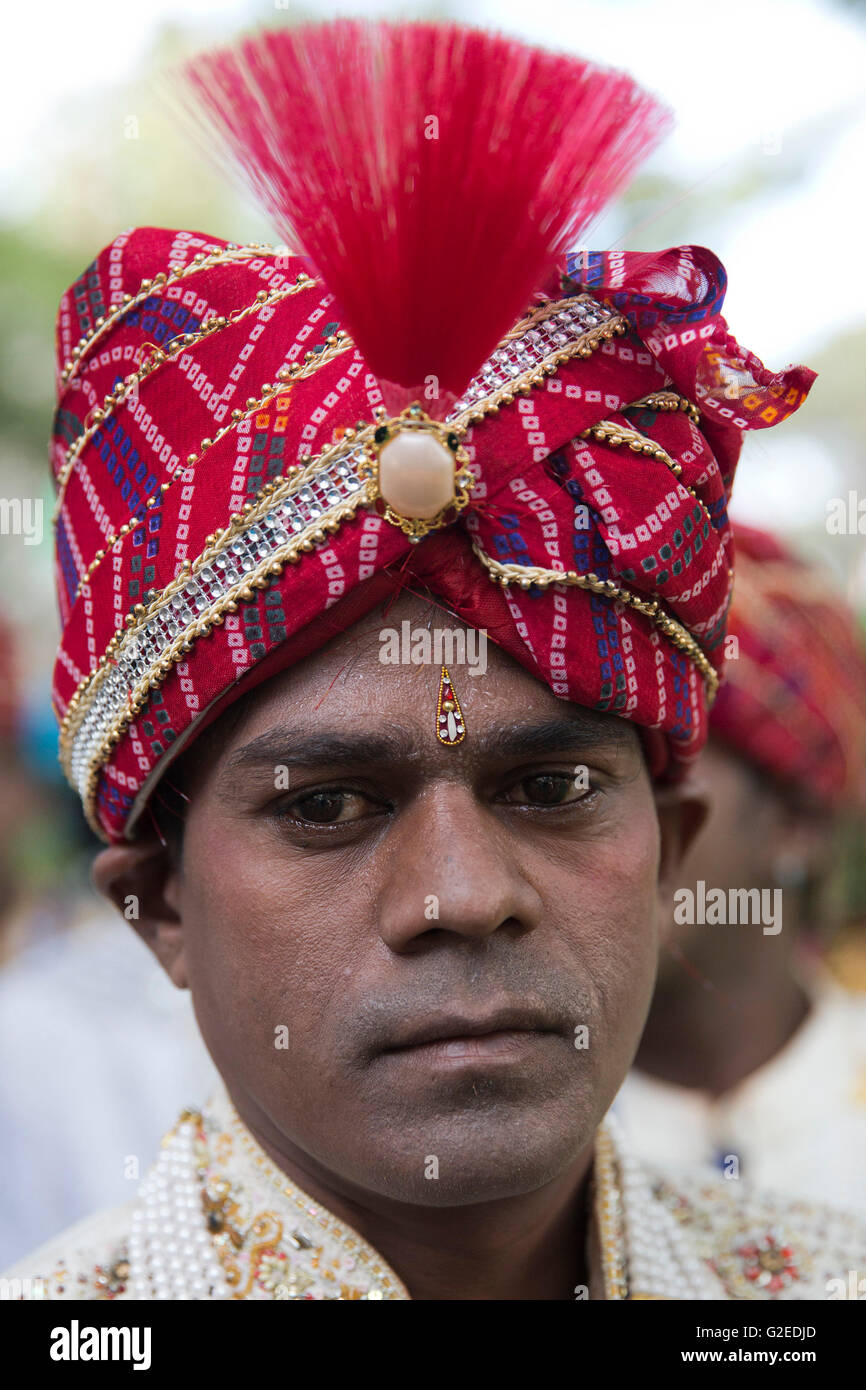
(109, 699)
(551, 326)
(525, 576)
(127, 390)
(202, 260)
(604, 324)
(668, 401)
(608, 432)
(312, 363)
(165, 631)
(507, 379)
(609, 326)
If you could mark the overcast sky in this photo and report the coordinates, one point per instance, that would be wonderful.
(743, 78)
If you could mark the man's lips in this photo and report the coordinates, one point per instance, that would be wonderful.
(507, 1046)
(458, 1034)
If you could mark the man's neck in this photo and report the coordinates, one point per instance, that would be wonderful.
(527, 1247)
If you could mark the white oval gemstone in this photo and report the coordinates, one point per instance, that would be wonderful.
(416, 474)
(452, 727)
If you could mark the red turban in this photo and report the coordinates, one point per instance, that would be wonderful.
(212, 527)
(793, 701)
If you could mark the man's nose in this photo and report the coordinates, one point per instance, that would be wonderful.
(452, 865)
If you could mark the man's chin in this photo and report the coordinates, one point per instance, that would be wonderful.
(485, 1151)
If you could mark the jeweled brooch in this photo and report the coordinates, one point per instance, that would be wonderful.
(420, 470)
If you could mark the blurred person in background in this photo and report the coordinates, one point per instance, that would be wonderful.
(754, 1055)
(25, 806)
(98, 1049)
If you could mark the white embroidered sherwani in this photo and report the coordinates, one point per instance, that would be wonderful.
(796, 1126)
(214, 1219)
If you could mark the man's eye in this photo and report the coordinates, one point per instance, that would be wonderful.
(326, 808)
(549, 789)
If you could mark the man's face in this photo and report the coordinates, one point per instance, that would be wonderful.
(755, 837)
(398, 889)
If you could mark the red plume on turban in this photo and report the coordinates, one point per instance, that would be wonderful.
(217, 403)
(409, 160)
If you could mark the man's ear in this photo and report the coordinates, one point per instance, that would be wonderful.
(682, 812)
(142, 880)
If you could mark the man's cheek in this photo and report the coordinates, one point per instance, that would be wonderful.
(244, 905)
(624, 950)
(262, 981)
(625, 904)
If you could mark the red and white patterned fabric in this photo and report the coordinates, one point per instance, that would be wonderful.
(794, 697)
(149, 482)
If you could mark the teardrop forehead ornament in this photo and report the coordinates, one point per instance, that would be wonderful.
(420, 471)
(450, 724)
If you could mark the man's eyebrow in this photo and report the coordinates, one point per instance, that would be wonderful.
(555, 735)
(291, 747)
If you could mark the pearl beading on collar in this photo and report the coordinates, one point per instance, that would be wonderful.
(659, 1261)
(268, 1239)
(171, 1254)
